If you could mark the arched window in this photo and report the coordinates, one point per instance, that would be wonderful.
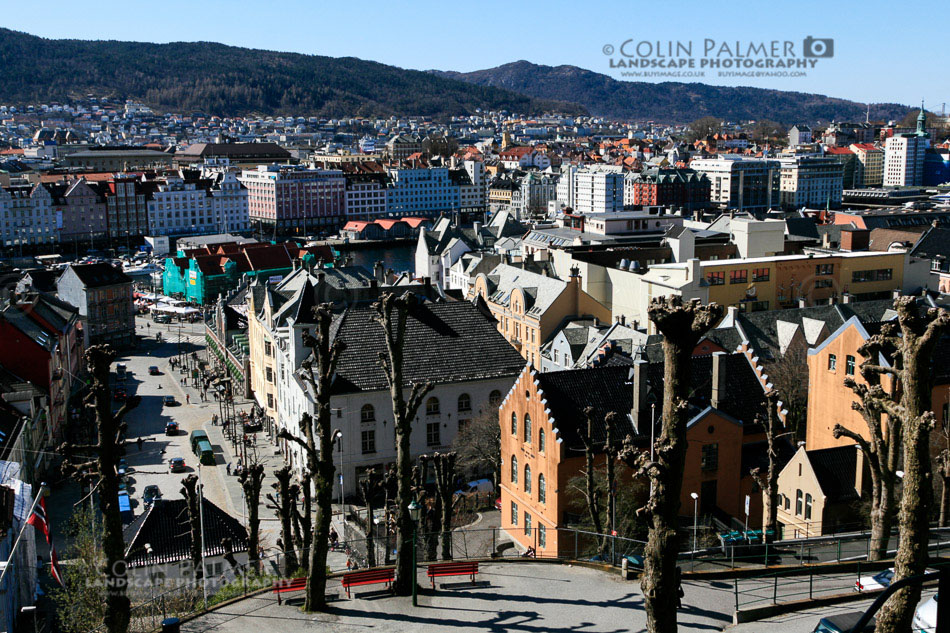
(798, 503)
(527, 478)
(465, 403)
(542, 491)
(367, 413)
(807, 506)
(432, 406)
(514, 423)
(514, 469)
(494, 398)
(541, 440)
(527, 427)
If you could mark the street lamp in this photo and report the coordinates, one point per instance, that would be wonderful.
(695, 517)
(414, 511)
(151, 576)
(339, 437)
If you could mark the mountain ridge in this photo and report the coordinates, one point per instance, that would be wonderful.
(670, 102)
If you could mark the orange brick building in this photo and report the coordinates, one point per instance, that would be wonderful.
(541, 450)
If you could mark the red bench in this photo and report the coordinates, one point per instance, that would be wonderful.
(283, 586)
(451, 569)
(370, 577)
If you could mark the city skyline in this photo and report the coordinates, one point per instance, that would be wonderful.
(491, 38)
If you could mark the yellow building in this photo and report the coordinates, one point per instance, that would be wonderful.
(262, 353)
(530, 307)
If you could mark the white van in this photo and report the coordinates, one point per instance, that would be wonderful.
(479, 485)
(925, 619)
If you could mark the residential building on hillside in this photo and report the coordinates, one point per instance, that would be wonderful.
(103, 296)
(529, 307)
(799, 135)
(741, 183)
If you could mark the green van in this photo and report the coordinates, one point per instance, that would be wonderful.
(198, 436)
(205, 453)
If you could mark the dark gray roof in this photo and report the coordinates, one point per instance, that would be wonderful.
(98, 275)
(835, 469)
(934, 243)
(446, 342)
(165, 527)
(569, 393)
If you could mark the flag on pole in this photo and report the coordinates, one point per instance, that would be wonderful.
(38, 520)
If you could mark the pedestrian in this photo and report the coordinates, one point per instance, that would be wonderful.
(679, 588)
(139, 443)
(188, 398)
(229, 469)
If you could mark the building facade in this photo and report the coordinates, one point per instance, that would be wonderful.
(295, 199)
(103, 296)
(741, 183)
(811, 181)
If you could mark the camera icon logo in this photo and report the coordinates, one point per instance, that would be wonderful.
(818, 47)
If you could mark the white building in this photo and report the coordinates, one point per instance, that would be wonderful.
(810, 181)
(592, 189)
(747, 184)
(904, 160)
(180, 207)
(28, 216)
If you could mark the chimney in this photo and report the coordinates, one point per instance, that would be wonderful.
(379, 271)
(802, 302)
(718, 379)
(640, 391)
(896, 293)
(623, 319)
(846, 297)
(854, 239)
(732, 313)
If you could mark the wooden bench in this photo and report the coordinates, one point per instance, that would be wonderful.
(451, 569)
(283, 586)
(370, 577)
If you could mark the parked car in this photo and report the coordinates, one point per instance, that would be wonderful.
(925, 618)
(125, 508)
(120, 395)
(880, 580)
(122, 467)
(153, 371)
(169, 401)
(171, 428)
(162, 318)
(176, 465)
(479, 485)
(151, 494)
(842, 623)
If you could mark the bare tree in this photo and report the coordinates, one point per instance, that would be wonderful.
(444, 465)
(392, 312)
(591, 493)
(911, 365)
(111, 427)
(478, 445)
(882, 445)
(317, 372)
(189, 490)
(371, 485)
(303, 516)
(611, 451)
(682, 326)
(251, 479)
(281, 505)
(789, 374)
(703, 127)
(942, 461)
(768, 478)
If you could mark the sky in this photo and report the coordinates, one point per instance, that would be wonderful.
(882, 51)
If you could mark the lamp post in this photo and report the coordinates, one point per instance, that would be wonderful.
(695, 517)
(339, 438)
(414, 511)
(151, 577)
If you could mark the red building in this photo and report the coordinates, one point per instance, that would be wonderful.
(669, 187)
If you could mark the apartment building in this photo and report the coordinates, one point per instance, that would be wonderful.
(126, 197)
(83, 211)
(810, 181)
(684, 188)
(869, 165)
(904, 160)
(736, 182)
(295, 199)
(592, 189)
(103, 296)
(28, 216)
(180, 206)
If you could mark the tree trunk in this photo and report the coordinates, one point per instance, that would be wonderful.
(284, 512)
(943, 469)
(591, 492)
(251, 480)
(405, 529)
(189, 490)
(323, 467)
(682, 327)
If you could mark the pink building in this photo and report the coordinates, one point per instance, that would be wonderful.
(295, 199)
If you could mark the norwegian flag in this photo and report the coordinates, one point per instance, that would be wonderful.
(38, 521)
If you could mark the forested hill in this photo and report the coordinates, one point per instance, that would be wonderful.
(671, 102)
(228, 80)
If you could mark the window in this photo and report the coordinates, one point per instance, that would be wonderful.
(881, 274)
(759, 306)
(270, 374)
(824, 269)
(527, 427)
(514, 469)
(432, 434)
(849, 365)
(832, 362)
(710, 457)
(798, 503)
(463, 424)
(514, 423)
(788, 502)
(738, 276)
(527, 478)
(270, 401)
(527, 524)
(367, 413)
(807, 507)
(542, 491)
(541, 439)
(368, 441)
(465, 403)
(514, 513)
(432, 406)
(268, 349)
(760, 274)
(824, 283)
(716, 278)
(542, 536)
